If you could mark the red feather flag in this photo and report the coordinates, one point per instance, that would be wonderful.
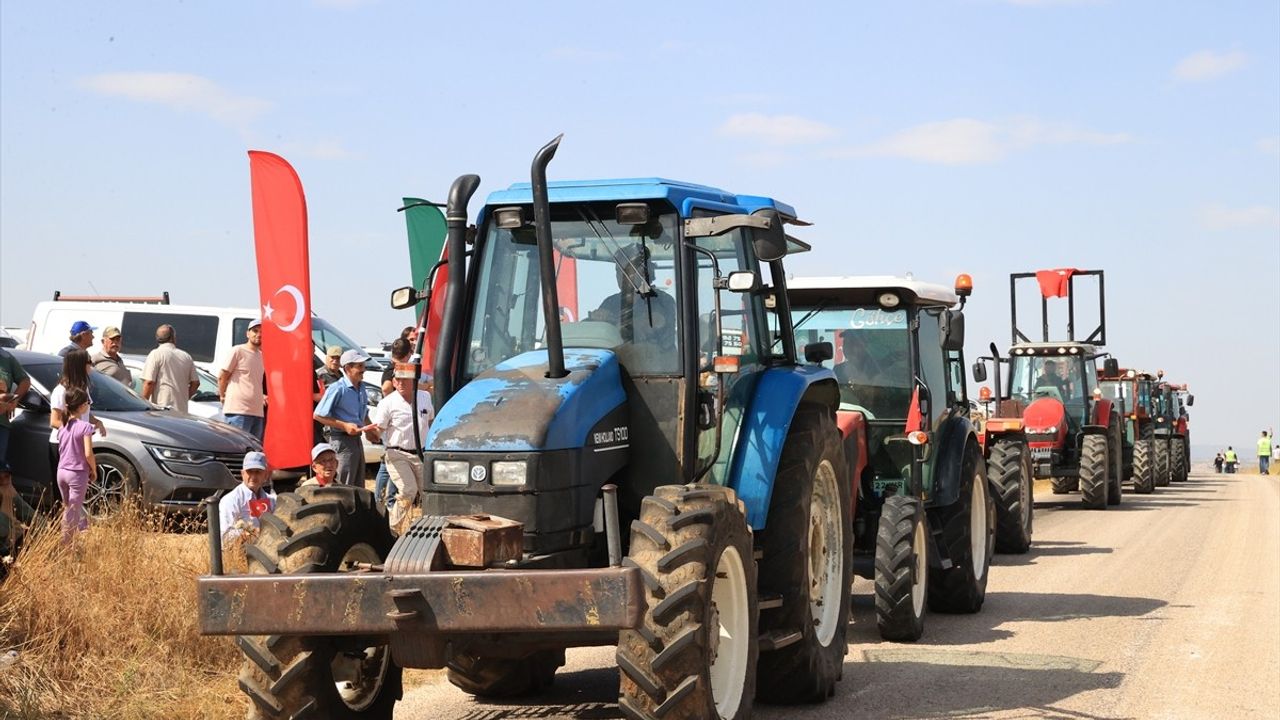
(284, 291)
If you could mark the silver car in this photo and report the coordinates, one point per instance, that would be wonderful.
(168, 460)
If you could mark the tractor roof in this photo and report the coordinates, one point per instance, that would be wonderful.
(684, 196)
(866, 290)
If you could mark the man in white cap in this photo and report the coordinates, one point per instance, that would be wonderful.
(394, 417)
(344, 410)
(240, 384)
(240, 509)
(324, 466)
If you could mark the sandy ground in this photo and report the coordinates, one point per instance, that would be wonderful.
(1164, 607)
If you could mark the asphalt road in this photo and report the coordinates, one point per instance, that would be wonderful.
(1164, 607)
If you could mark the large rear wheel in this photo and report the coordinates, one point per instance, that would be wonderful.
(319, 529)
(902, 569)
(694, 654)
(1009, 471)
(1063, 485)
(808, 563)
(968, 534)
(1093, 472)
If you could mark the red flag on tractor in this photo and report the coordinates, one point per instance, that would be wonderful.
(284, 291)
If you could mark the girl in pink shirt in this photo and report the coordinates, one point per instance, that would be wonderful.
(75, 463)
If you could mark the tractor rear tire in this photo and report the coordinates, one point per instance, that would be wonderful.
(1064, 485)
(1178, 460)
(808, 561)
(504, 677)
(318, 530)
(1009, 471)
(694, 654)
(1094, 466)
(901, 569)
(1162, 461)
(1144, 479)
(968, 533)
(1115, 450)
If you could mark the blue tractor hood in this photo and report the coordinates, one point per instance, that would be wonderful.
(515, 407)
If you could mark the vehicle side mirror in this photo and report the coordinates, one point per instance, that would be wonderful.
(405, 297)
(33, 401)
(979, 372)
(769, 243)
(741, 281)
(952, 330)
(1111, 367)
(1191, 400)
(817, 352)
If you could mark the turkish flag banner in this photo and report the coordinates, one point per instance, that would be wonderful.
(435, 315)
(567, 287)
(284, 291)
(1055, 283)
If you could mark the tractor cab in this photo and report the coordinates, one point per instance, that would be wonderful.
(1132, 391)
(896, 348)
(1055, 383)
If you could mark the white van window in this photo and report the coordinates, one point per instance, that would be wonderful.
(197, 334)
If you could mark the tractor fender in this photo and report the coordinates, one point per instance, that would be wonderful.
(765, 423)
(1102, 411)
(951, 441)
(1103, 423)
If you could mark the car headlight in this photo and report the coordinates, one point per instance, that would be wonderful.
(194, 457)
(451, 472)
(510, 473)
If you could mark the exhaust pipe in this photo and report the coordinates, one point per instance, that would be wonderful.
(546, 260)
(456, 243)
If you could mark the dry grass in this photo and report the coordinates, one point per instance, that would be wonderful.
(107, 628)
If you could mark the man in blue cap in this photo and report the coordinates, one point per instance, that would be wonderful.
(344, 411)
(240, 509)
(81, 338)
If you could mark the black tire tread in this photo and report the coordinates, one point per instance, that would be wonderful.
(1008, 467)
(1144, 479)
(895, 567)
(1093, 472)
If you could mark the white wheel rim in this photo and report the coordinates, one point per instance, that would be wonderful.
(922, 570)
(978, 525)
(732, 625)
(826, 554)
(359, 679)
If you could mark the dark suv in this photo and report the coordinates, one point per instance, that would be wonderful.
(168, 460)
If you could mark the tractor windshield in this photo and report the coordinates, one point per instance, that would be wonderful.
(1060, 378)
(615, 285)
(872, 355)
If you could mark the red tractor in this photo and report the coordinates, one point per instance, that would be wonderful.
(1134, 392)
(1172, 436)
(1051, 398)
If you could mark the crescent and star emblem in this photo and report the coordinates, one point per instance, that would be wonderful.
(299, 313)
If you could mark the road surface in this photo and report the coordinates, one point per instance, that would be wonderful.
(1164, 607)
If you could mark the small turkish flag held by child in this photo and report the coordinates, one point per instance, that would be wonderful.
(258, 506)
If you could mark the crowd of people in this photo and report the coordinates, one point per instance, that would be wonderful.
(1229, 460)
(342, 416)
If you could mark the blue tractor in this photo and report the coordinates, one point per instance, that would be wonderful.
(626, 451)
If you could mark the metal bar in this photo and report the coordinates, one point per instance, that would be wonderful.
(455, 291)
(546, 260)
(1071, 308)
(215, 533)
(611, 524)
(490, 601)
(1044, 316)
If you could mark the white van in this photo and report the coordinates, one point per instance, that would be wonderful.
(207, 332)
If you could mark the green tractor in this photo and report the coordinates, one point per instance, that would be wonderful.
(1172, 434)
(626, 451)
(924, 521)
(1134, 394)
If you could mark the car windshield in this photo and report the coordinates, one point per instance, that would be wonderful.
(615, 285)
(872, 350)
(107, 394)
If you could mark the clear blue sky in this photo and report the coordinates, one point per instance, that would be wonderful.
(985, 136)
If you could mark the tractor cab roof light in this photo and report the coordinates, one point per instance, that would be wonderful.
(889, 300)
(964, 285)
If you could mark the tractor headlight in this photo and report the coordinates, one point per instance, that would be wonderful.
(510, 473)
(451, 472)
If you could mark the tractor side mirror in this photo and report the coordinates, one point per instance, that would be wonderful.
(769, 243)
(706, 417)
(742, 281)
(1111, 367)
(979, 372)
(817, 352)
(1191, 400)
(952, 330)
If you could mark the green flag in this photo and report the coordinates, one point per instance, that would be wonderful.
(426, 239)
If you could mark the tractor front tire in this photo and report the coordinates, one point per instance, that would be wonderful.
(495, 677)
(1144, 479)
(1115, 450)
(694, 654)
(1094, 465)
(318, 530)
(968, 533)
(1009, 471)
(1162, 461)
(1178, 459)
(808, 561)
(901, 569)
(1064, 485)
